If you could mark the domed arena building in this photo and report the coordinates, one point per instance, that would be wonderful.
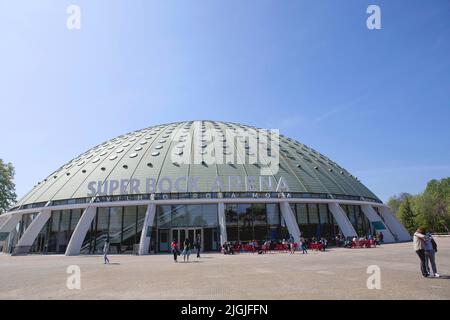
(224, 181)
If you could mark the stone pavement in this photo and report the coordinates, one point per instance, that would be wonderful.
(336, 274)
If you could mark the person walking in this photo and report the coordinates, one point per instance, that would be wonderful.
(175, 251)
(186, 249)
(324, 243)
(430, 250)
(291, 244)
(419, 248)
(198, 244)
(105, 252)
(381, 236)
(303, 245)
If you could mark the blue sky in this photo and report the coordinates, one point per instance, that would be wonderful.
(375, 101)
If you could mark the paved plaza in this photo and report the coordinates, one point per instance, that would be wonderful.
(336, 274)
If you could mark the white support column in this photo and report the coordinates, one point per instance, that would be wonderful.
(146, 233)
(342, 220)
(222, 223)
(397, 229)
(291, 222)
(30, 234)
(377, 223)
(10, 223)
(3, 219)
(76, 241)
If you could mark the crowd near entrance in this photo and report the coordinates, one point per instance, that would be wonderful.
(178, 222)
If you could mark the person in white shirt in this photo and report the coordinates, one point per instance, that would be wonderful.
(419, 248)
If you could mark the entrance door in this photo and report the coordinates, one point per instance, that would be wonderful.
(163, 240)
(180, 234)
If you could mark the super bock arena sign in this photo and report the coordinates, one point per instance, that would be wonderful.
(167, 185)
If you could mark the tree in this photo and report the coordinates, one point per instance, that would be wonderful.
(395, 202)
(430, 209)
(407, 216)
(7, 186)
(436, 202)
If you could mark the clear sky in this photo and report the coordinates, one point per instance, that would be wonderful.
(375, 101)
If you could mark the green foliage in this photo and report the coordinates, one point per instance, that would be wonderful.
(430, 209)
(7, 187)
(406, 215)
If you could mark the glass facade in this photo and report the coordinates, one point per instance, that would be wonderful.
(177, 216)
(257, 221)
(245, 222)
(357, 218)
(121, 225)
(56, 233)
(315, 220)
(185, 221)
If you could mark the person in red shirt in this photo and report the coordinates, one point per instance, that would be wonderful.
(174, 246)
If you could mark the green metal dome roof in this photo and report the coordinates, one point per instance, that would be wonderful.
(147, 154)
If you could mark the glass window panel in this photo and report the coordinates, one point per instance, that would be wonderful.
(293, 208)
(302, 213)
(210, 215)
(261, 233)
(231, 215)
(102, 219)
(164, 216)
(115, 229)
(102, 229)
(55, 221)
(323, 212)
(351, 214)
(273, 214)
(129, 229)
(194, 216)
(180, 216)
(54, 228)
(76, 215)
(65, 220)
(259, 214)
(245, 222)
(313, 213)
(142, 211)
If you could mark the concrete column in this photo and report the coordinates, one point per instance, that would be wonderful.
(397, 229)
(291, 222)
(146, 233)
(76, 241)
(222, 223)
(7, 224)
(3, 219)
(377, 223)
(342, 220)
(30, 234)
(10, 223)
